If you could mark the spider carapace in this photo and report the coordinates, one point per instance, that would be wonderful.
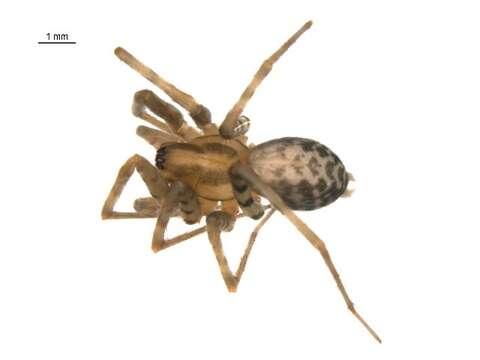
(213, 172)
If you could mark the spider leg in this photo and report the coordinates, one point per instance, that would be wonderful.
(244, 197)
(148, 206)
(155, 137)
(179, 195)
(199, 113)
(151, 208)
(146, 99)
(156, 185)
(227, 129)
(251, 241)
(239, 170)
(219, 221)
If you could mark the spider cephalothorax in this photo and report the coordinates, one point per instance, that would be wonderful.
(213, 172)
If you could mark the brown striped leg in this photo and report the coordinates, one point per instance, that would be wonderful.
(220, 221)
(243, 194)
(157, 138)
(156, 185)
(253, 180)
(179, 195)
(251, 241)
(146, 99)
(199, 113)
(148, 206)
(189, 205)
(227, 129)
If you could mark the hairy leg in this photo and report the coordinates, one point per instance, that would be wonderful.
(157, 138)
(146, 99)
(227, 129)
(179, 195)
(151, 207)
(199, 113)
(220, 221)
(243, 171)
(148, 206)
(251, 241)
(156, 185)
(244, 196)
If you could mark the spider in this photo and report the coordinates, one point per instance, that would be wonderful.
(211, 171)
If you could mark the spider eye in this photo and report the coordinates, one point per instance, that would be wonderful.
(160, 158)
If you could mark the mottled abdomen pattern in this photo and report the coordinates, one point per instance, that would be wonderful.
(306, 174)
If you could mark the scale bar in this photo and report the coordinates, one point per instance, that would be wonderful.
(57, 42)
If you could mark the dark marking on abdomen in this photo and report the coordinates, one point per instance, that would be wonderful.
(311, 175)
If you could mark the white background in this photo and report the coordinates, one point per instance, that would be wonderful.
(391, 86)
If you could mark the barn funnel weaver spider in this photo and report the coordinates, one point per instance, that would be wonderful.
(210, 171)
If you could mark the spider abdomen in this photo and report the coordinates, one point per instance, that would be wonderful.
(306, 174)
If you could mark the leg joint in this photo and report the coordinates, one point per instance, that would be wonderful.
(221, 220)
(202, 116)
